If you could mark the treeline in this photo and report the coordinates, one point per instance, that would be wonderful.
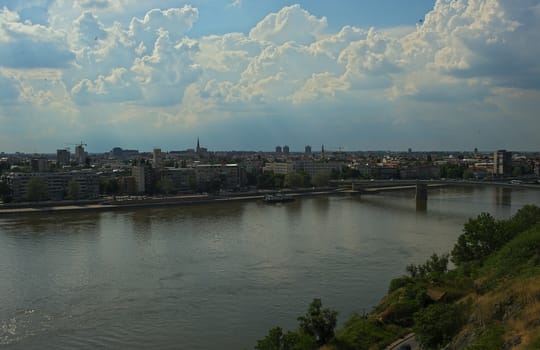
(491, 258)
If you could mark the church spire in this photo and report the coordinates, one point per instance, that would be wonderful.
(198, 146)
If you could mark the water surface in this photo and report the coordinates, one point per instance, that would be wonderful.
(217, 276)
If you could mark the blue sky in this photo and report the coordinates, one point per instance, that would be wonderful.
(252, 74)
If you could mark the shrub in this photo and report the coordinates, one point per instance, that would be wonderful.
(438, 323)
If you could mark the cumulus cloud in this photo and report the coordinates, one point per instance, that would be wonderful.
(464, 56)
(290, 24)
(25, 45)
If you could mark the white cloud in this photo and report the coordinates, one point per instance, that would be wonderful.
(26, 45)
(290, 24)
(461, 60)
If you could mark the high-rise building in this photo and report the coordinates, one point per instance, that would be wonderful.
(278, 149)
(285, 149)
(80, 154)
(157, 158)
(62, 156)
(308, 149)
(502, 163)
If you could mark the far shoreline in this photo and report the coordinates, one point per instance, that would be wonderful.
(133, 202)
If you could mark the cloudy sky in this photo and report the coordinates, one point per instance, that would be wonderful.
(253, 74)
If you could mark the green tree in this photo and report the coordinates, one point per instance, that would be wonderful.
(293, 180)
(165, 185)
(319, 323)
(277, 340)
(524, 219)
(109, 186)
(73, 189)
(437, 324)
(36, 189)
(5, 192)
(481, 236)
(320, 180)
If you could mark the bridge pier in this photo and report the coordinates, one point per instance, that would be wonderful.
(421, 192)
(421, 197)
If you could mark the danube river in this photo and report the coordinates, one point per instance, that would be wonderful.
(217, 276)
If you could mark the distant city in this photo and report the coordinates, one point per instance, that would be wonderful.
(79, 175)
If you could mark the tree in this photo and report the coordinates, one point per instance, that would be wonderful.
(165, 185)
(320, 180)
(293, 180)
(481, 236)
(437, 324)
(319, 323)
(36, 189)
(73, 189)
(5, 192)
(277, 340)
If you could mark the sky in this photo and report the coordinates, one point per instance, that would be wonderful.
(252, 74)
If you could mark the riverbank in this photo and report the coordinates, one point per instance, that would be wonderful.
(129, 202)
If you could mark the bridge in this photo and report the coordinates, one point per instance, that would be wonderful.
(420, 186)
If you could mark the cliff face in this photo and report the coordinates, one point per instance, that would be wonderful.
(487, 303)
(505, 307)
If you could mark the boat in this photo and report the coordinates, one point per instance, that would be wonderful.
(278, 198)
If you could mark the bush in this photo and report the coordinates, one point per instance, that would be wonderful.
(490, 338)
(438, 323)
(318, 322)
(397, 283)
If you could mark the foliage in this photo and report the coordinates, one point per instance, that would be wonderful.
(36, 189)
(518, 257)
(490, 338)
(481, 237)
(277, 340)
(436, 325)
(109, 186)
(399, 282)
(362, 332)
(73, 189)
(269, 180)
(435, 267)
(5, 192)
(452, 171)
(484, 235)
(524, 219)
(165, 185)
(318, 322)
(296, 180)
(320, 180)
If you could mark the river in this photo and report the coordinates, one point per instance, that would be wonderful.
(217, 276)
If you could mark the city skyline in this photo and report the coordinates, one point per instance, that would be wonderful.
(249, 75)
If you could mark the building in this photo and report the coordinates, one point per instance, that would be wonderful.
(57, 184)
(144, 178)
(62, 157)
(229, 176)
(183, 179)
(278, 149)
(419, 172)
(317, 168)
(80, 154)
(39, 164)
(307, 150)
(279, 168)
(157, 158)
(502, 163)
(286, 150)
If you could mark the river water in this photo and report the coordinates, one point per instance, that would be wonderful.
(217, 276)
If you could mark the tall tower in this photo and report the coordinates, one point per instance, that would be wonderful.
(502, 161)
(157, 157)
(198, 149)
